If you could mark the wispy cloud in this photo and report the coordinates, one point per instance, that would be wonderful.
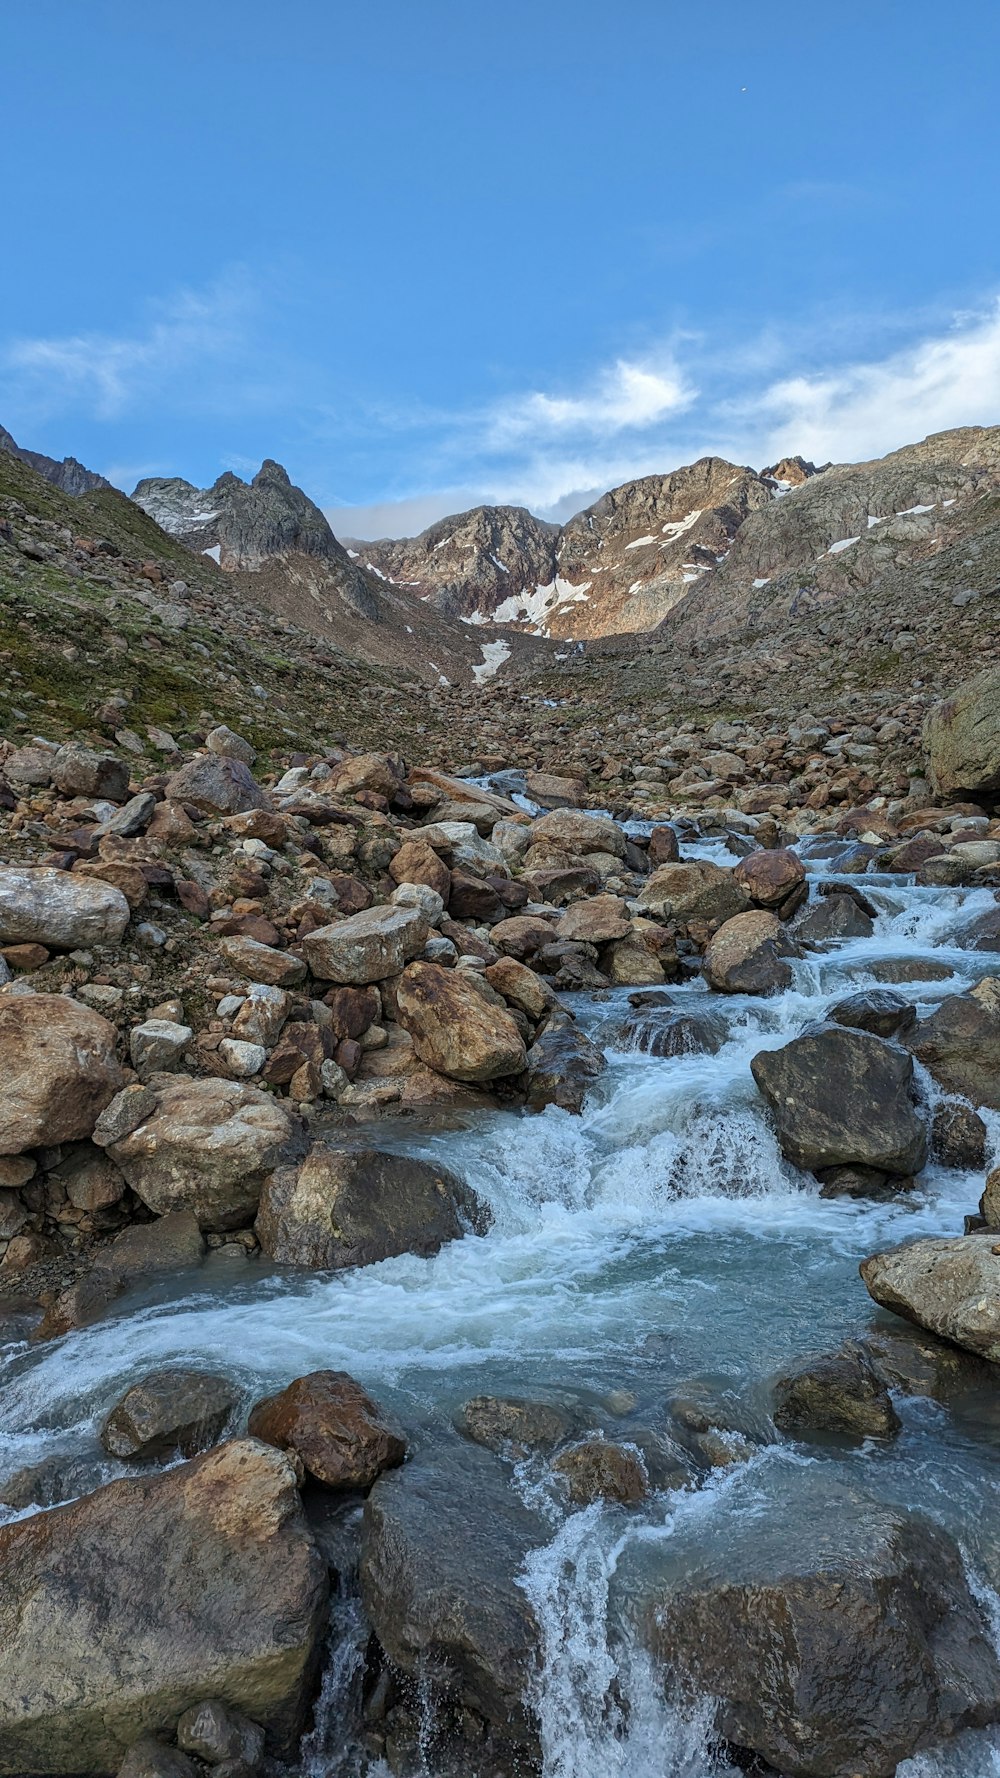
(626, 396)
(111, 373)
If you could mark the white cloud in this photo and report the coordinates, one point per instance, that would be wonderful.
(111, 373)
(624, 397)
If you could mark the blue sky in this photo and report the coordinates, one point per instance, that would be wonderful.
(427, 252)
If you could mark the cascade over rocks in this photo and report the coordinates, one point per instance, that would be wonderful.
(959, 1042)
(563, 1064)
(353, 1207)
(842, 1098)
(839, 1658)
(124, 1609)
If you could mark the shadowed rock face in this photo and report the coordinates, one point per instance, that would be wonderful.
(842, 1098)
(245, 521)
(69, 475)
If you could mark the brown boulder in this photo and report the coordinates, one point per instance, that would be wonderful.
(455, 1030)
(747, 955)
(59, 1070)
(416, 862)
(695, 890)
(207, 1147)
(770, 877)
(342, 1436)
(596, 921)
(217, 785)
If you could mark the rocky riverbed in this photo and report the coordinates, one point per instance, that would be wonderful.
(432, 1214)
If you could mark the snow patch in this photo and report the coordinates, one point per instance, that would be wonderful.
(759, 583)
(640, 543)
(908, 511)
(498, 564)
(842, 543)
(444, 543)
(215, 551)
(534, 608)
(494, 655)
(354, 554)
(676, 527)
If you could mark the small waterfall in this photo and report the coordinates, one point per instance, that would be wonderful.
(330, 1748)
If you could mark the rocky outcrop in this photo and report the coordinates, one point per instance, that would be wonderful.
(805, 1644)
(67, 473)
(842, 1098)
(951, 1287)
(208, 1147)
(59, 1070)
(343, 1438)
(128, 1607)
(353, 1207)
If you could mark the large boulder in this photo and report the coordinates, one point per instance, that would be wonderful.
(124, 1609)
(950, 1286)
(694, 890)
(962, 739)
(79, 771)
(444, 1542)
(839, 1392)
(455, 1029)
(842, 1098)
(960, 1044)
(563, 1064)
(748, 955)
(353, 1207)
(342, 1436)
(217, 786)
(597, 920)
(770, 877)
(366, 947)
(580, 834)
(208, 1147)
(59, 909)
(59, 1070)
(835, 1654)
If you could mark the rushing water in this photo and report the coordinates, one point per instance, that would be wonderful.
(656, 1243)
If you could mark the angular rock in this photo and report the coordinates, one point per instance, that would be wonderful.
(521, 987)
(59, 1070)
(596, 921)
(168, 1411)
(208, 1147)
(217, 785)
(150, 1758)
(694, 890)
(962, 739)
(59, 909)
(580, 834)
(837, 1655)
(958, 1137)
(949, 1286)
(842, 1098)
(512, 1426)
(455, 1030)
(839, 1392)
(216, 1733)
(368, 946)
(831, 919)
(748, 955)
(262, 963)
(170, 1244)
(877, 1010)
(563, 1064)
(79, 771)
(157, 1045)
(989, 1203)
(960, 1044)
(228, 745)
(353, 1207)
(597, 1469)
(416, 862)
(124, 1609)
(770, 877)
(343, 1437)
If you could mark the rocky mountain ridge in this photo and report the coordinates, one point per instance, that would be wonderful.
(69, 474)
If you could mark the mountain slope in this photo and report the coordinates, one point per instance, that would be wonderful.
(616, 568)
(69, 475)
(282, 553)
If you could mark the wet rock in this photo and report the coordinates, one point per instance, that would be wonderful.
(960, 1044)
(217, 785)
(958, 1137)
(983, 933)
(208, 1148)
(563, 1064)
(950, 1286)
(989, 1203)
(80, 1304)
(832, 919)
(842, 1098)
(962, 739)
(769, 877)
(343, 1437)
(862, 1182)
(909, 969)
(366, 947)
(59, 909)
(445, 1540)
(79, 771)
(51, 1482)
(597, 1469)
(216, 1733)
(839, 1392)
(512, 1426)
(454, 1029)
(150, 1758)
(168, 1411)
(804, 1647)
(124, 1609)
(58, 1065)
(345, 1207)
(748, 955)
(695, 890)
(673, 1032)
(876, 1010)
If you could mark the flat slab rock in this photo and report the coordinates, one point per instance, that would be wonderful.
(124, 1609)
(950, 1287)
